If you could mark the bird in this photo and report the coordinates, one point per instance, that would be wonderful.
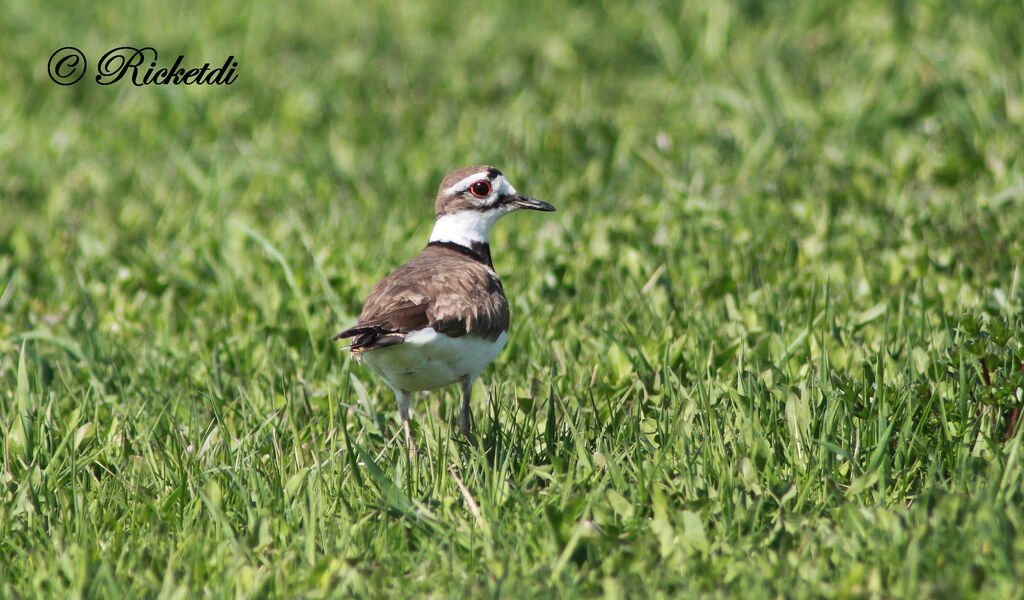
(443, 317)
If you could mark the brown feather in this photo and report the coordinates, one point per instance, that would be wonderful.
(441, 288)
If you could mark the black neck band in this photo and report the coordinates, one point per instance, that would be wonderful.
(478, 251)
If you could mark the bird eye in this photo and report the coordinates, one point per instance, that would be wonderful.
(481, 188)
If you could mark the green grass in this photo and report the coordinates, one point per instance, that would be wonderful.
(770, 346)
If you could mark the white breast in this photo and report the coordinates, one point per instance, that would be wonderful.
(428, 360)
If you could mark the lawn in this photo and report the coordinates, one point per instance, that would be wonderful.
(770, 345)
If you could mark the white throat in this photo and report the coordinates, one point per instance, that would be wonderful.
(466, 226)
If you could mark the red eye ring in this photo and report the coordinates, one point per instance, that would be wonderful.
(481, 188)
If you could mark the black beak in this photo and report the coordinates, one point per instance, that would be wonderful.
(530, 203)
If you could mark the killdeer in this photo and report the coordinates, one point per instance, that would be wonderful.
(442, 317)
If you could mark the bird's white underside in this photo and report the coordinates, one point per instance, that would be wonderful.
(428, 360)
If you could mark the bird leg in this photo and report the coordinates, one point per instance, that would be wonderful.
(465, 416)
(405, 413)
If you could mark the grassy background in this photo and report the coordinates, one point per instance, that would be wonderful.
(770, 345)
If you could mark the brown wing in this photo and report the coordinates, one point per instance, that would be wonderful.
(440, 288)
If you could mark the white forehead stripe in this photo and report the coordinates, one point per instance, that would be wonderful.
(465, 182)
(504, 187)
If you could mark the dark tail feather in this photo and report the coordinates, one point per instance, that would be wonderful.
(357, 330)
(368, 337)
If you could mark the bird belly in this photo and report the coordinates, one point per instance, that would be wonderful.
(427, 360)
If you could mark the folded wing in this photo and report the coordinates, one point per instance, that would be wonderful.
(440, 289)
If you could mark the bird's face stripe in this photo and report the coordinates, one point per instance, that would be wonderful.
(503, 187)
(499, 184)
(465, 182)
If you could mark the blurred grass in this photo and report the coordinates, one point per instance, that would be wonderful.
(769, 347)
